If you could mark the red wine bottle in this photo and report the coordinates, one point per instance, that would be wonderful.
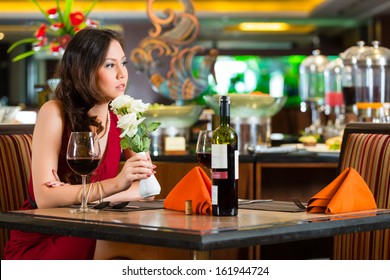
(224, 164)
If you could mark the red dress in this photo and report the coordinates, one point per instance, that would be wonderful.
(31, 245)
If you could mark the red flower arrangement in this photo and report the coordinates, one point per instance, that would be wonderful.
(54, 36)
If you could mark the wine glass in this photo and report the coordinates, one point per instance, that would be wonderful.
(83, 156)
(203, 148)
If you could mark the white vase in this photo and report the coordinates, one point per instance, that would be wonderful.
(150, 186)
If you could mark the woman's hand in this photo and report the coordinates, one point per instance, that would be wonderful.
(137, 167)
(57, 182)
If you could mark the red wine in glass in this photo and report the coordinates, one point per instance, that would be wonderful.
(83, 166)
(203, 148)
(204, 159)
(83, 156)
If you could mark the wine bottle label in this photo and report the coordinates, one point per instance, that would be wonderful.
(214, 195)
(220, 175)
(219, 156)
(236, 163)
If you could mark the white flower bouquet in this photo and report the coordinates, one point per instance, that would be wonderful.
(135, 133)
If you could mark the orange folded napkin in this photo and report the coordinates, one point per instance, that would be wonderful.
(194, 186)
(348, 192)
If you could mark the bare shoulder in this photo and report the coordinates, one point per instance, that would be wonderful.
(50, 117)
(51, 107)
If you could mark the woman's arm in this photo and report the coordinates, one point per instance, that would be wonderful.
(46, 147)
(131, 194)
(45, 156)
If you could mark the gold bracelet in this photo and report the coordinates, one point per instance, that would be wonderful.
(100, 189)
(91, 190)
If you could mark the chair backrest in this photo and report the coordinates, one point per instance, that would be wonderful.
(366, 148)
(15, 169)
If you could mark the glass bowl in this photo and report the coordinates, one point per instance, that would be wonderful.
(2, 112)
(249, 105)
(53, 83)
(178, 116)
(9, 113)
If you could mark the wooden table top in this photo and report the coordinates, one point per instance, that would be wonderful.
(162, 227)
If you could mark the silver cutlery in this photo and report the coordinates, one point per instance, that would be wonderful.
(244, 201)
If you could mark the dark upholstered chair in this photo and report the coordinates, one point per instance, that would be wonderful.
(366, 147)
(15, 166)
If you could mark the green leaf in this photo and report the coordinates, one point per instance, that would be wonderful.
(67, 11)
(23, 55)
(122, 111)
(20, 42)
(89, 9)
(124, 143)
(136, 144)
(146, 144)
(142, 129)
(42, 11)
(30, 53)
(60, 16)
(153, 126)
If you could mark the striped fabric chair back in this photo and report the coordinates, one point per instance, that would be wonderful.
(366, 147)
(15, 169)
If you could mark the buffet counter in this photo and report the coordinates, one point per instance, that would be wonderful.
(280, 176)
(171, 169)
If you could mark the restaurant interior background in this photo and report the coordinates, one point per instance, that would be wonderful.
(331, 26)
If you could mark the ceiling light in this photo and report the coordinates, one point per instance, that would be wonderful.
(271, 27)
(263, 26)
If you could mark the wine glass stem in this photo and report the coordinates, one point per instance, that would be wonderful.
(83, 197)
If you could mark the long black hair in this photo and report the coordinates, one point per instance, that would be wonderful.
(78, 89)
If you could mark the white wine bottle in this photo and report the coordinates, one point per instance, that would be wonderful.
(224, 164)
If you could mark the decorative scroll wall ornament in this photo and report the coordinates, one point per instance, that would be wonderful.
(169, 39)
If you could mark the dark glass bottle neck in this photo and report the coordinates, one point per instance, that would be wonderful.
(224, 112)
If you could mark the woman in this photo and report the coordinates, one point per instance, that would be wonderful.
(92, 72)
